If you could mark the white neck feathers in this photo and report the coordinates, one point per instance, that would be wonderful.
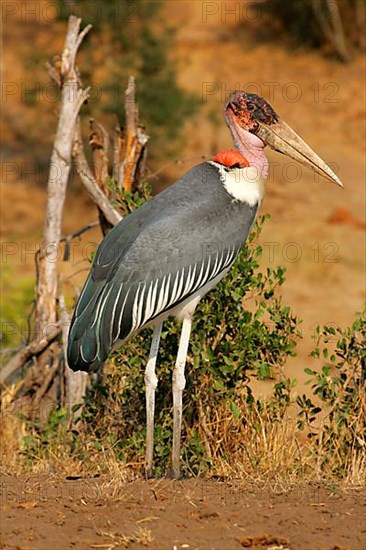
(243, 184)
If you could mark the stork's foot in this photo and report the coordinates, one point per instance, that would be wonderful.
(149, 453)
(175, 469)
(149, 473)
(174, 473)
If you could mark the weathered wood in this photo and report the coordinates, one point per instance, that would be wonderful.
(99, 143)
(72, 98)
(64, 72)
(22, 356)
(118, 152)
(50, 374)
(134, 141)
(39, 411)
(75, 382)
(87, 177)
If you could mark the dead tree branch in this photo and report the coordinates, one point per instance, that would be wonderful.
(91, 185)
(47, 381)
(132, 152)
(72, 98)
(129, 155)
(99, 143)
(67, 240)
(118, 148)
(51, 374)
(35, 348)
(49, 356)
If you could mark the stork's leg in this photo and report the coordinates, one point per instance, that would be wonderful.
(151, 383)
(179, 383)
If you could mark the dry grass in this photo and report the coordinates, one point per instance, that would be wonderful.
(262, 447)
(259, 447)
(12, 432)
(118, 540)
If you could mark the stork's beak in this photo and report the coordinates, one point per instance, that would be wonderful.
(283, 139)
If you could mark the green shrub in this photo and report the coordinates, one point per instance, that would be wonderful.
(335, 415)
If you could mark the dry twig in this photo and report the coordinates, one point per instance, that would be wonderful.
(91, 185)
(23, 355)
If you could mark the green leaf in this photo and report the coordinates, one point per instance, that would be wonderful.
(264, 371)
(235, 409)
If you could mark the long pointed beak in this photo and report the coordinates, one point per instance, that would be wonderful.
(283, 139)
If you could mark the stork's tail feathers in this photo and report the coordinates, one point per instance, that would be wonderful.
(84, 349)
(81, 349)
(97, 323)
(82, 366)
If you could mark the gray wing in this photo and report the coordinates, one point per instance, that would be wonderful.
(154, 259)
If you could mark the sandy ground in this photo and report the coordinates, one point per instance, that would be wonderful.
(45, 512)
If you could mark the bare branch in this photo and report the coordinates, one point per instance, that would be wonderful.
(118, 149)
(46, 383)
(82, 35)
(134, 142)
(99, 143)
(23, 355)
(72, 98)
(54, 69)
(131, 108)
(86, 176)
(67, 240)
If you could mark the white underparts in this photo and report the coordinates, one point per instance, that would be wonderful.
(243, 184)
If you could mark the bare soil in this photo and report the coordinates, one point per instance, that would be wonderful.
(44, 512)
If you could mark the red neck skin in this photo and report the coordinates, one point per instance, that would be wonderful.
(250, 146)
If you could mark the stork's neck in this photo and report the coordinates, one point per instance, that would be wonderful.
(252, 148)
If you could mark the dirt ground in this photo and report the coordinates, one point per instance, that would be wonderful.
(42, 512)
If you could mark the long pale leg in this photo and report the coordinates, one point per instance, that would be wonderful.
(151, 383)
(179, 383)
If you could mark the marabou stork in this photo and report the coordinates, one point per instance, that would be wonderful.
(156, 262)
